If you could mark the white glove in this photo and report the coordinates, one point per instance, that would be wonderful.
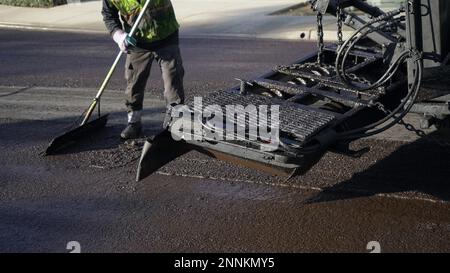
(120, 38)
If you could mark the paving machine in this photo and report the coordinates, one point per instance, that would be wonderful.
(394, 63)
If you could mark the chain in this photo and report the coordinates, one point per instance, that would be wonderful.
(362, 80)
(306, 65)
(411, 128)
(320, 43)
(422, 134)
(339, 16)
(329, 68)
(351, 76)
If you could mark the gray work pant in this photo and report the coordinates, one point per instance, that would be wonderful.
(137, 72)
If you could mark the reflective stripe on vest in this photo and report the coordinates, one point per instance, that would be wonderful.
(159, 20)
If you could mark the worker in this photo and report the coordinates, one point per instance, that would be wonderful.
(156, 39)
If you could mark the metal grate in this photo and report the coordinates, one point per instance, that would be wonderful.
(296, 120)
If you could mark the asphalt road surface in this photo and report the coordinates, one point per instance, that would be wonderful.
(398, 194)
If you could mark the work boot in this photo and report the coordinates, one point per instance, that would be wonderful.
(134, 127)
(132, 131)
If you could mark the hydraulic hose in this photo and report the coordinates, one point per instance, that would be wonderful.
(349, 44)
(401, 110)
(407, 102)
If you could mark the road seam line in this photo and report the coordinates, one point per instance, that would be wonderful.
(317, 189)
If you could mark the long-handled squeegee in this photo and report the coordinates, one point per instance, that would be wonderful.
(86, 127)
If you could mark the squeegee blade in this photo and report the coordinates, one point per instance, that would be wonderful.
(71, 137)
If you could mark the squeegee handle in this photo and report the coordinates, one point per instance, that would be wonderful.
(113, 67)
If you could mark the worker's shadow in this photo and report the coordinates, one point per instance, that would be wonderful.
(421, 167)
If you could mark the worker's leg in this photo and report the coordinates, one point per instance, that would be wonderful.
(137, 71)
(171, 64)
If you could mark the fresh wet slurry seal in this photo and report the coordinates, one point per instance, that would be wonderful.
(382, 171)
(386, 195)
